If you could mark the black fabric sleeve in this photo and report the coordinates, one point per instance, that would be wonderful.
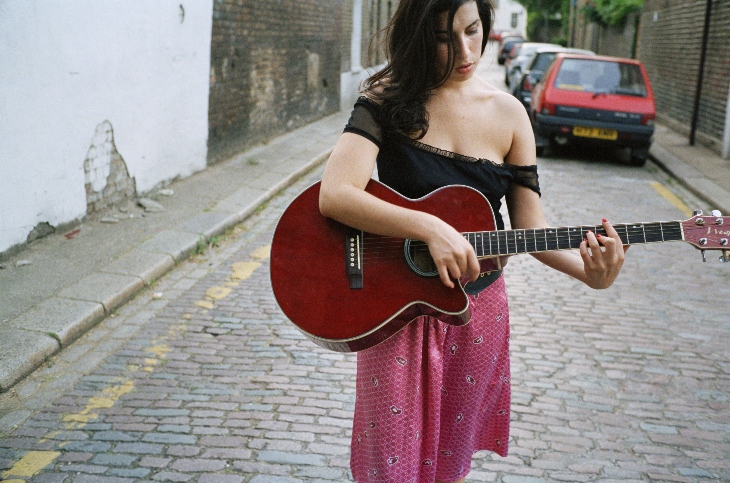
(525, 176)
(364, 121)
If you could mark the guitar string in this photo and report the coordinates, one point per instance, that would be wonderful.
(375, 240)
(388, 242)
(377, 246)
(378, 239)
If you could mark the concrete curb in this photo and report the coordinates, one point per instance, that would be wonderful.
(690, 178)
(44, 330)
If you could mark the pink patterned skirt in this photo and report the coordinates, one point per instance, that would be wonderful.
(434, 394)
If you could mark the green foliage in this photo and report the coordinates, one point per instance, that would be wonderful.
(536, 10)
(540, 6)
(611, 12)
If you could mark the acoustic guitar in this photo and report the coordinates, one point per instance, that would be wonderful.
(347, 290)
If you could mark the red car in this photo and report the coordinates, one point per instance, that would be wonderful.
(597, 101)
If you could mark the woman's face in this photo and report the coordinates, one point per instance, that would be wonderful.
(467, 41)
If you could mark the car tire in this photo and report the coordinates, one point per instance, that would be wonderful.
(638, 157)
(637, 161)
(540, 151)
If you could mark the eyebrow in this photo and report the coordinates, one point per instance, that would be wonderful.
(468, 26)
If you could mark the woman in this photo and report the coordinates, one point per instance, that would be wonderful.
(433, 394)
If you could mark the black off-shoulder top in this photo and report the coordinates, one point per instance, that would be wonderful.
(415, 169)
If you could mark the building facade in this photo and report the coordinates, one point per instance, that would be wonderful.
(98, 110)
(275, 66)
(509, 16)
(138, 94)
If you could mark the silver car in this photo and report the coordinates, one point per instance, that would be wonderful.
(513, 69)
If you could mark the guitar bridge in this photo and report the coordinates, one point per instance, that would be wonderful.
(353, 257)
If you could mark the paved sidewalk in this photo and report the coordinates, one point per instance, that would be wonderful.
(76, 279)
(63, 285)
(698, 168)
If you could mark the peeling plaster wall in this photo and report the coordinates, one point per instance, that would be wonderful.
(69, 66)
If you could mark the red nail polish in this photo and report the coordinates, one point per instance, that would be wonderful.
(605, 220)
(599, 235)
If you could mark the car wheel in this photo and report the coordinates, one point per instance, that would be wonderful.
(637, 161)
(540, 151)
(638, 157)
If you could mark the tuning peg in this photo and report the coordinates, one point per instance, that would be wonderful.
(725, 257)
(703, 255)
(697, 213)
(716, 213)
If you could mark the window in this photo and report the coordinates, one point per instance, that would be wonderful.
(515, 17)
(601, 76)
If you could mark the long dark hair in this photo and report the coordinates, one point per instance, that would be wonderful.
(404, 85)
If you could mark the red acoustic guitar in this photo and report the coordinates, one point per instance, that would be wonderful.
(347, 290)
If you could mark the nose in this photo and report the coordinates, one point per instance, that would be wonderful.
(461, 47)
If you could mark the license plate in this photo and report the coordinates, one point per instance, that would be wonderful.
(595, 132)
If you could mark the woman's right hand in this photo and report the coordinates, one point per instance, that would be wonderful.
(452, 254)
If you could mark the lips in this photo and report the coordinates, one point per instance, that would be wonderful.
(465, 68)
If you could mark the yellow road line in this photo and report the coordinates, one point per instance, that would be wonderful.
(31, 464)
(672, 198)
(240, 271)
(108, 398)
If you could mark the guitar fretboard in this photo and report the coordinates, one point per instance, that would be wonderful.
(532, 240)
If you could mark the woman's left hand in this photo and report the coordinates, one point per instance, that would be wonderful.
(602, 256)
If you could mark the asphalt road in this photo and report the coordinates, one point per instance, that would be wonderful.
(202, 379)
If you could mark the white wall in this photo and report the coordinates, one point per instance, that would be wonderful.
(503, 16)
(65, 68)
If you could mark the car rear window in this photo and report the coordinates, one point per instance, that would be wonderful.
(600, 76)
(508, 45)
(542, 61)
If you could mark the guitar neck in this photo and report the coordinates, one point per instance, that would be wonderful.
(534, 240)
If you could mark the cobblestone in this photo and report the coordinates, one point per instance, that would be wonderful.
(626, 384)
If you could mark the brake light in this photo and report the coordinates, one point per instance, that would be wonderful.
(526, 84)
(647, 119)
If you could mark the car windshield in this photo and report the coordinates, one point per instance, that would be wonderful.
(542, 61)
(527, 51)
(601, 77)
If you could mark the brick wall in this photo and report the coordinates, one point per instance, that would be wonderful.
(614, 40)
(275, 66)
(669, 46)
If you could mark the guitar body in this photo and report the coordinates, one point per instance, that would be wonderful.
(313, 289)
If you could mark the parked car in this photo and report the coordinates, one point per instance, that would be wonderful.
(521, 86)
(506, 46)
(517, 63)
(597, 101)
(498, 35)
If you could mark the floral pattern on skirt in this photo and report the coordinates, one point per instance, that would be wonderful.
(434, 394)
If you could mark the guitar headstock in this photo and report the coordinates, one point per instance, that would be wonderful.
(708, 232)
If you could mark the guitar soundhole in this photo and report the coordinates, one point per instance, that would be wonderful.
(419, 258)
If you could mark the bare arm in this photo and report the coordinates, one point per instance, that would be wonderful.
(599, 260)
(342, 197)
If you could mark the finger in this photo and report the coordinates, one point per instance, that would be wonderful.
(612, 251)
(585, 255)
(473, 267)
(444, 275)
(595, 247)
(611, 231)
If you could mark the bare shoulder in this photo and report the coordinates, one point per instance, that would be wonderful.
(513, 131)
(498, 102)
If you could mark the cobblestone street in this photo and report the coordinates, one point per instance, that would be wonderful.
(202, 379)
